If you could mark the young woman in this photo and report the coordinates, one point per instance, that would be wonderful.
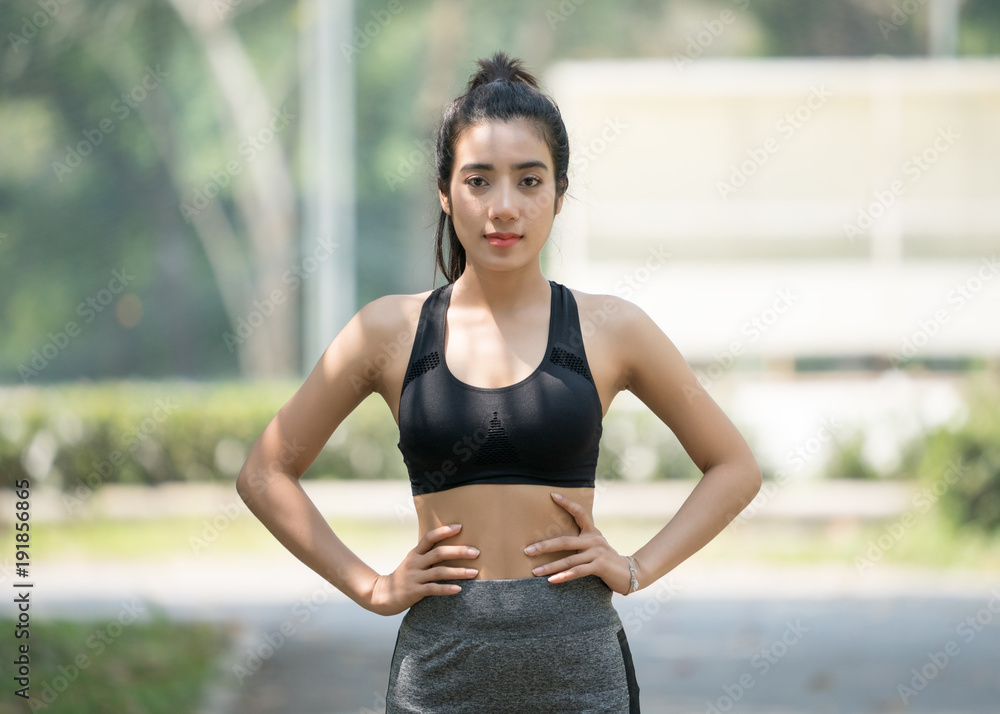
(499, 399)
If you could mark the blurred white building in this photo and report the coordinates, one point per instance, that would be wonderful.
(789, 209)
(773, 215)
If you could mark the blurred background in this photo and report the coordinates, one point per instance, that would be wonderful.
(195, 197)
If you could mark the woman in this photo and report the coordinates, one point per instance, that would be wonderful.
(499, 403)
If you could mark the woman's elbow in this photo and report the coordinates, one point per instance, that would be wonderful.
(251, 481)
(753, 477)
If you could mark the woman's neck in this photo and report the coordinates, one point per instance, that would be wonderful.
(501, 292)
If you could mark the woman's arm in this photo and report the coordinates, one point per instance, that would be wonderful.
(651, 368)
(659, 376)
(269, 480)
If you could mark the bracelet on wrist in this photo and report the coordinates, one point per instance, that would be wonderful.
(634, 584)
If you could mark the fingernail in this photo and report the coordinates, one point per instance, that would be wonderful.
(473, 551)
(530, 549)
(537, 571)
(557, 495)
(455, 526)
(470, 572)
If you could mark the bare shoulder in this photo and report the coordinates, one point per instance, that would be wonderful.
(388, 315)
(630, 338)
(613, 315)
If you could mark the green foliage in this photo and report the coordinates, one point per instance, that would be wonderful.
(79, 436)
(847, 459)
(959, 464)
(636, 445)
(147, 666)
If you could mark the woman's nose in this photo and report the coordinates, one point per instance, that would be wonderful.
(502, 207)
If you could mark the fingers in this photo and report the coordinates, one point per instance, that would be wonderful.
(554, 544)
(559, 565)
(578, 512)
(431, 537)
(444, 572)
(452, 552)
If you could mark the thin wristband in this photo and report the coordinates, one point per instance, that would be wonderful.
(634, 585)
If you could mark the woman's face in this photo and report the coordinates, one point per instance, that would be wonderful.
(502, 182)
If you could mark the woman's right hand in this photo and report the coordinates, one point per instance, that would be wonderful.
(413, 579)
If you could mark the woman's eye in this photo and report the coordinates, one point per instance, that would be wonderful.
(534, 178)
(472, 179)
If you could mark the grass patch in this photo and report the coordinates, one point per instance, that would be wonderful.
(931, 541)
(149, 667)
(152, 538)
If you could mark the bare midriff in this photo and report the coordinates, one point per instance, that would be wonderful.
(500, 520)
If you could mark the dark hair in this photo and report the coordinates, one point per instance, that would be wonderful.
(501, 90)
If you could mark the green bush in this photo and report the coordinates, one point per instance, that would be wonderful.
(959, 465)
(83, 435)
(848, 459)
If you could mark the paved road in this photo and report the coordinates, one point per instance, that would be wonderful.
(708, 638)
(763, 656)
(742, 639)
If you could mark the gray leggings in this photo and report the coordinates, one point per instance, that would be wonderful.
(522, 645)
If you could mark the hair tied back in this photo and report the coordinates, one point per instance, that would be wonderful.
(501, 66)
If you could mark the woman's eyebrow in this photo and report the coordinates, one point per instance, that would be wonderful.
(516, 167)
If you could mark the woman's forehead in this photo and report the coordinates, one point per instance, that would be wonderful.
(515, 141)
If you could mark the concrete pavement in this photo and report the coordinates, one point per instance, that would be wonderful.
(710, 637)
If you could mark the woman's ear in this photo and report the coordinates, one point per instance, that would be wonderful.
(559, 202)
(444, 202)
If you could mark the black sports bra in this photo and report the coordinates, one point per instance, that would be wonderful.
(545, 429)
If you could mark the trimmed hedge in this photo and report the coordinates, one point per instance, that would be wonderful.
(137, 432)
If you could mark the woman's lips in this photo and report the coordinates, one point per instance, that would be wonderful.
(502, 239)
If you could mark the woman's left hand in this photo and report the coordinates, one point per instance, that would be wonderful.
(595, 555)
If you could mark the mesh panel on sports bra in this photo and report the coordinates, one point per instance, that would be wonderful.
(570, 361)
(424, 364)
